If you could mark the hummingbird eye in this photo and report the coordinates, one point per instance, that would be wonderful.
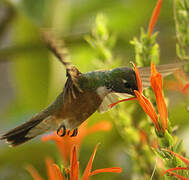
(126, 84)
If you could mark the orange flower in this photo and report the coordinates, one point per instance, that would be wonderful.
(66, 143)
(156, 83)
(138, 79)
(33, 173)
(155, 144)
(74, 174)
(148, 108)
(176, 175)
(183, 159)
(87, 172)
(154, 17)
(54, 172)
(182, 85)
(143, 137)
(144, 102)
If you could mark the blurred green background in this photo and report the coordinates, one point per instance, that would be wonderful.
(30, 77)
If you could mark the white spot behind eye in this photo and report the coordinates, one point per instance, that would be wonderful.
(124, 81)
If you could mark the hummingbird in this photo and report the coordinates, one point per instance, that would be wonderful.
(82, 95)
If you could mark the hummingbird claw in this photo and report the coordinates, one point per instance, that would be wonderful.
(75, 132)
(68, 133)
(61, 131)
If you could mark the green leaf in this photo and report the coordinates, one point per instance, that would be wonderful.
(30, 71)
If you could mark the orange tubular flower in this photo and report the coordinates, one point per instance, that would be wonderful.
(35, 175)
(87, 173)
(182, 85)
(178, 176)
(174, 169)
(156, 83)
(186, 86)
(66, 143)
(148, 108)
(138, 79)
(74, 174)
(54, 172)
(144, 102)
(143, 137)
(183, 159)
(154, 17)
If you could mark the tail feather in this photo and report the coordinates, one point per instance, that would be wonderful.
(37, 125)
(18, 135)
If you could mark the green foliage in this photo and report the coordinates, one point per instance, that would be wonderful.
(181, 12)
(25, 67)
(102, 42)
(146, 49)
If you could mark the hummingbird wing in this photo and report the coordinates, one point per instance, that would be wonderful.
(109, 99)
(71, 91)
(165, 70)
(55, 46)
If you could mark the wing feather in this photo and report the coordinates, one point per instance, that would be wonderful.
(165, 70)
(109, 99)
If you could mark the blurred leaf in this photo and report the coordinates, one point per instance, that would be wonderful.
(36, 11)
(30, 71)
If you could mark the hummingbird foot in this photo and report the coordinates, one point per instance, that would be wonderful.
(61, 131)
(75, 132)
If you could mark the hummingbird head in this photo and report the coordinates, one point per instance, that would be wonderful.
(122, 80)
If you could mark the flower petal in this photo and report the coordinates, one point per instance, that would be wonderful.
(48, 137)
(162, 108)
(186, 86)
(177, 175)
(113, 169)
(154, 17)
(138, 79)
(87, 171)
(185, 160)
(173, 169)
(50, 170)
(112, 105)
(148, 108)
(143, 137)
(58, 172)
(35, 175)
(101, 126)
(156, 83)
(65, 144)
(74, 175)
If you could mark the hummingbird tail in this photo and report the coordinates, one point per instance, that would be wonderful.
(26, 131)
